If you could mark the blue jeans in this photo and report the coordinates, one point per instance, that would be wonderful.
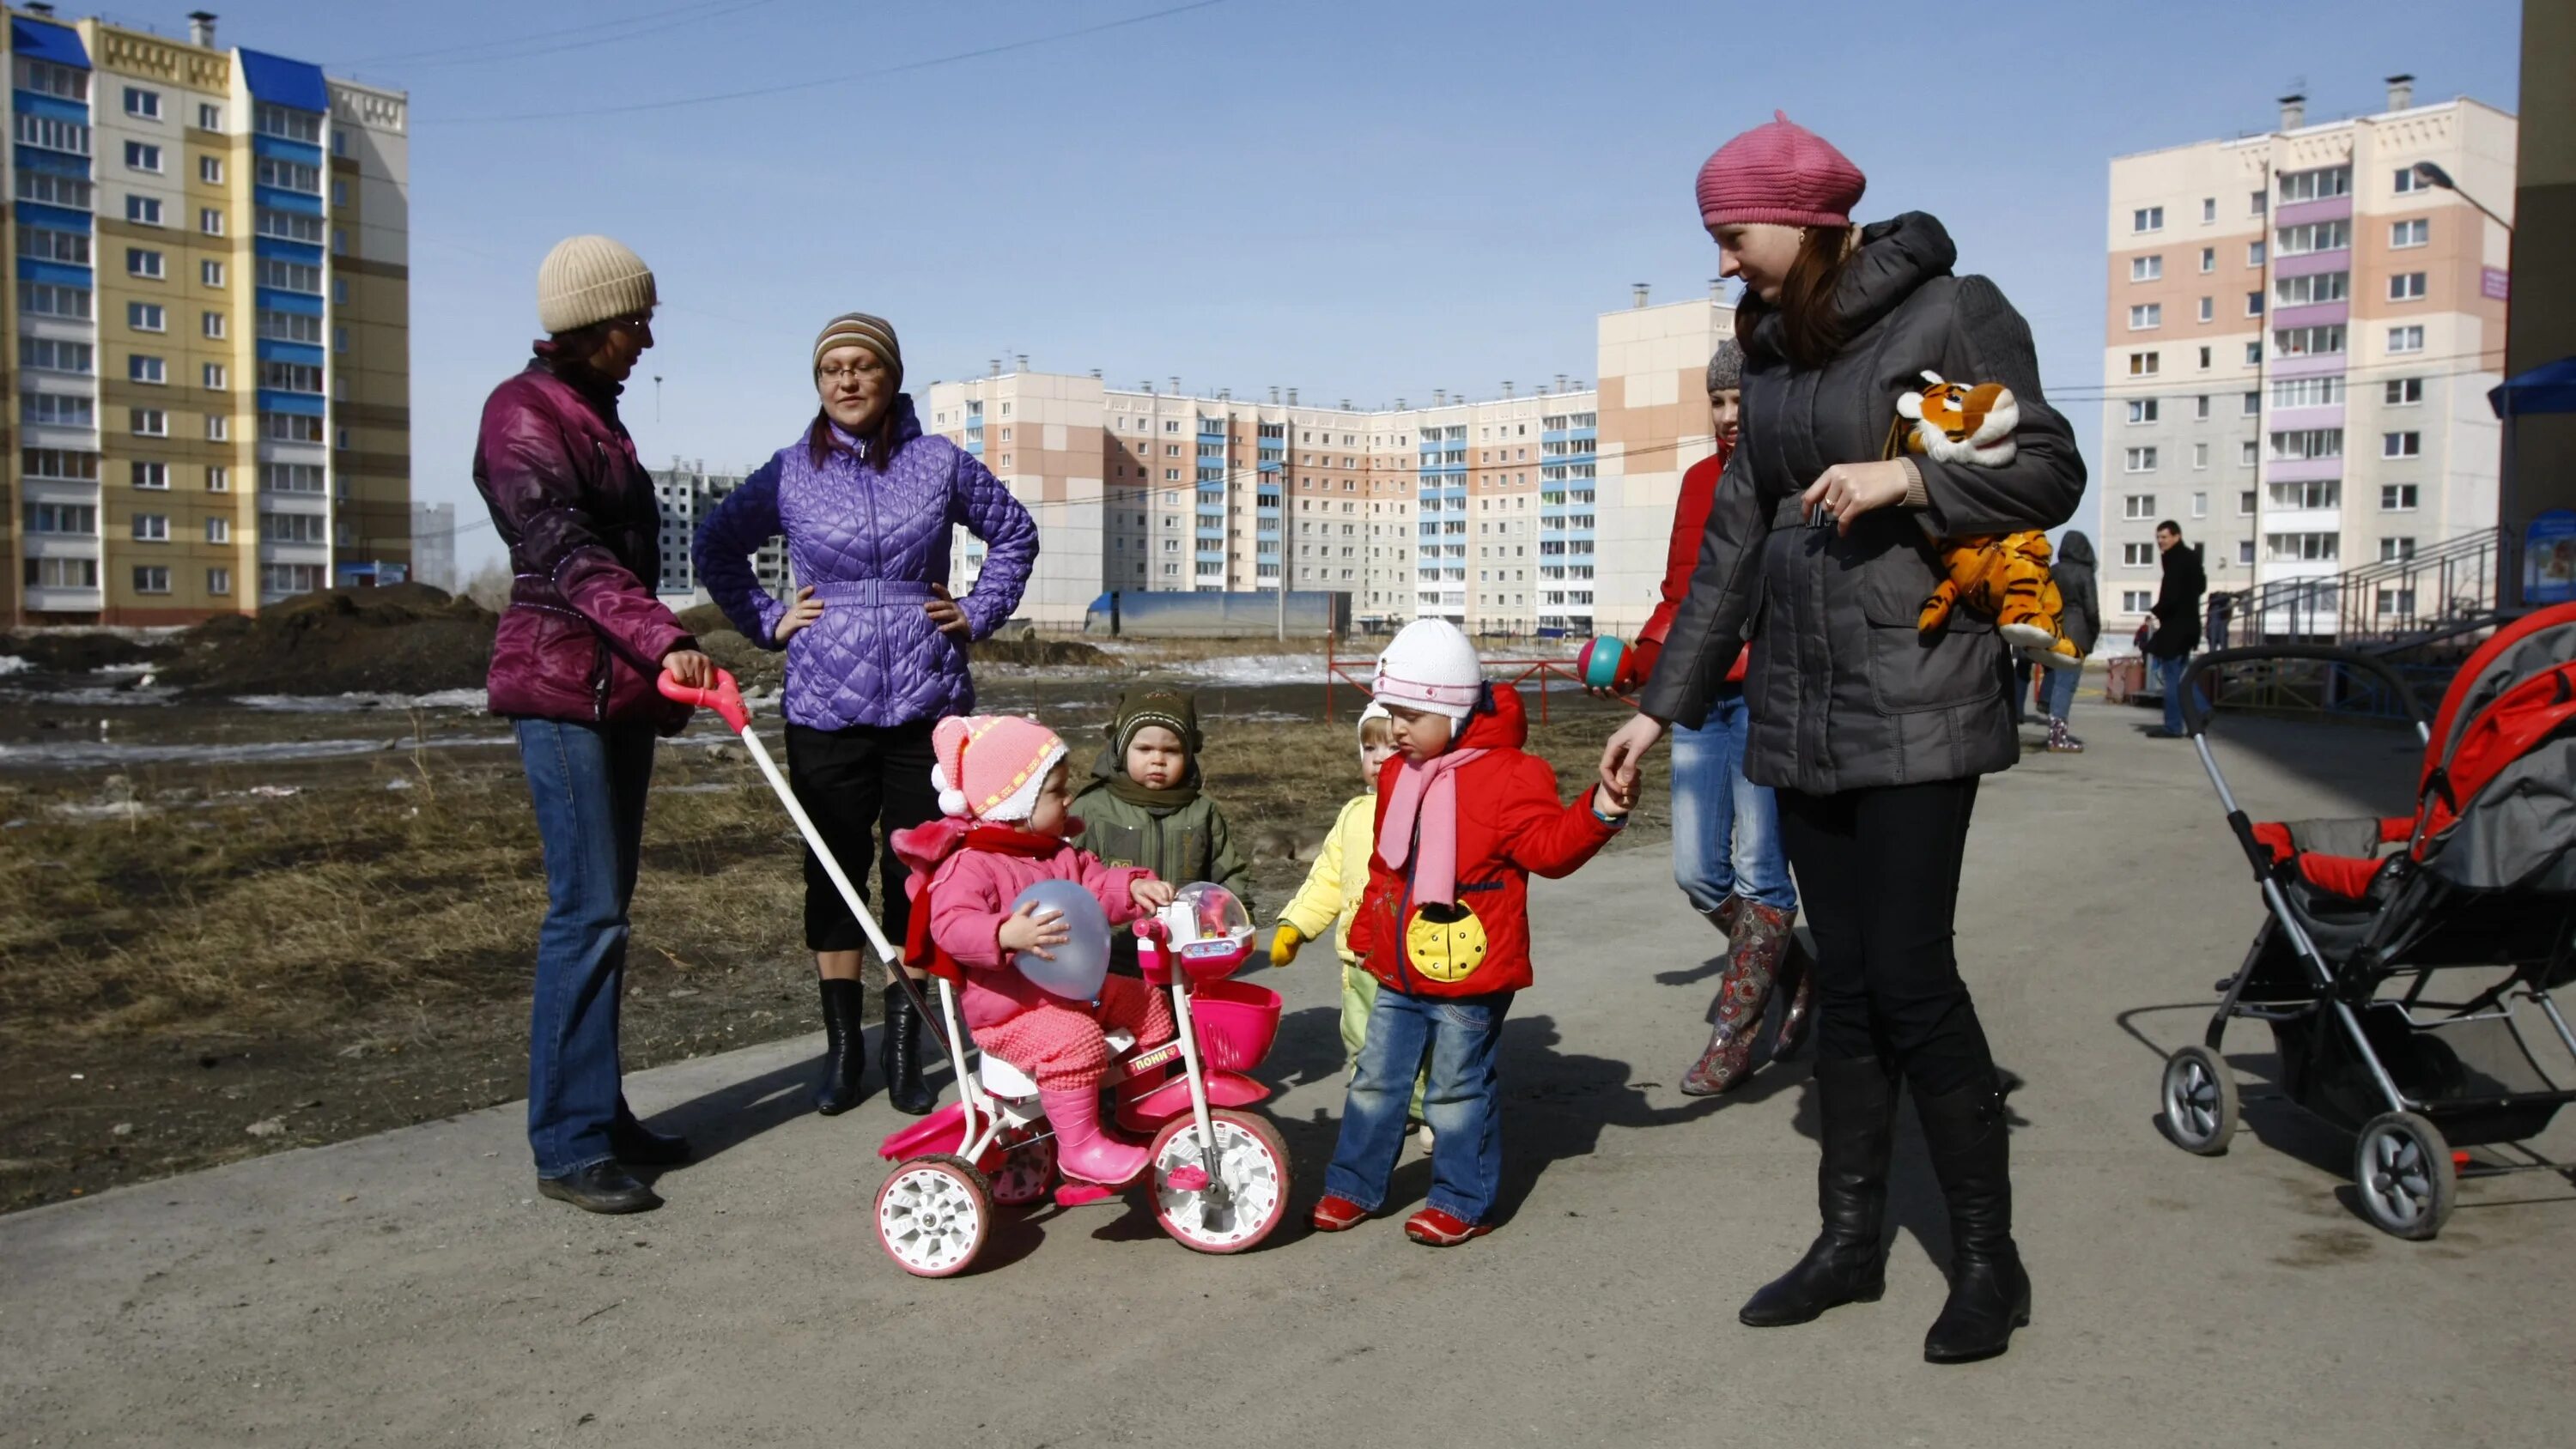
(2061, 691)
(588, 784)
(1463, 1104)
(2169, 678)
(1726, 829)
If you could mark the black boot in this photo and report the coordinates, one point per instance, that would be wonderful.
(902, 1047)
(1989, 1292)
(845, 1051)
(1845, 1264)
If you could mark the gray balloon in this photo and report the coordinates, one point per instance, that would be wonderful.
(1082, 961)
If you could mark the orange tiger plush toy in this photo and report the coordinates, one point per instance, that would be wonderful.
(2001, 575)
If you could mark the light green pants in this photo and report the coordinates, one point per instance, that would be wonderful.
(1359, 997)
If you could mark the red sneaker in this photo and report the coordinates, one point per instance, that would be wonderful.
(1337, 1214)
(1436, 1228)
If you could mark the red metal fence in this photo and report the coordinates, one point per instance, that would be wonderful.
(1360, 674)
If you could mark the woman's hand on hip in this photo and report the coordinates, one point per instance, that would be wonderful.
(693, 669)
(946, 616)
(804, 611)
(1626, 750)
(1848, 490)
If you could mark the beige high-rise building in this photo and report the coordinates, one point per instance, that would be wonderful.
(1521, 514)
(209, 326)
(2302, 331)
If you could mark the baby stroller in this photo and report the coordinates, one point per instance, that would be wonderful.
(2477, 887)
(1219, 1175)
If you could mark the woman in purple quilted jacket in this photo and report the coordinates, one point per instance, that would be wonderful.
(876, 647)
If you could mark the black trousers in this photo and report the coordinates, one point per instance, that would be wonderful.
(1878, 872)
(853, 782)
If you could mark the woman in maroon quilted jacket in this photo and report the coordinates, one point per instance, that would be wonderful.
(573, 668)
(876, 647)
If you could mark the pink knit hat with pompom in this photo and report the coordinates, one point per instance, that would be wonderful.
(1779, 172)
(991, 766)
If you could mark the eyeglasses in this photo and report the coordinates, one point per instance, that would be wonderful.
(850, 373)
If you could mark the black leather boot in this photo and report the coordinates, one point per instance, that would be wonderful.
(602, 1187)
(1989, 1292)
(902, 1047)
(1846, 1263)
(845, 1051)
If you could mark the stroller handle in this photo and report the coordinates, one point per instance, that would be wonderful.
(2196, 717)
(724, 698)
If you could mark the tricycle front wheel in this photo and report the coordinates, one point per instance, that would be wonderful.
(1251, 1163)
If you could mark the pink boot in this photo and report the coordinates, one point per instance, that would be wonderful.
(1082, 1150)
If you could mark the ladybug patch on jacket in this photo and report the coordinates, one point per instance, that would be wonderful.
(1446, 943)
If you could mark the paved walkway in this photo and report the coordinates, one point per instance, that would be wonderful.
(408, 1288)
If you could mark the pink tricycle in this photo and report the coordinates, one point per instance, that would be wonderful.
(1219, 1174)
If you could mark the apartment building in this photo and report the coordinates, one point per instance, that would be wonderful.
(1488, 512)
(2302, 330)
(208, 327)
(687, 492)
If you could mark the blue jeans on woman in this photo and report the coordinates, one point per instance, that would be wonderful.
(1726, 829)
(2061, 691)
(588, 783)
(1463, 1103)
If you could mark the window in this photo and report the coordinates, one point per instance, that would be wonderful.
(2404, 234)
(143, 210)
(212, 322)
(2137, 555)
(340, 298)
(219, 427)
(152, 579)
(2200, 407)
(210, 274)
(2308, 341)
(2401, 445)
(2307, 392)
(142, 262)
(210, 170)
(2249, 452)
(143, 103)
(2249, 405)
(219, 581)
(2146, 269)
(150, 422)
(278, 121)
(2406, 339)
(2322, 287)
(210, 118)
(2208, 209)
(2142, 410)
(48, 79)
(2253, 354)
(2204, 359)
(307, 478)
(139, 368)
(2208, 309)
(339, 193)
(2317, 185)
(2209, 259)
(2402, 391)
(47, 189)
(2254, 254)
(46, 300)
(210, 220)
(54, 410)
(47, 245)
(2391, 550)
(219, 479)
(292, 528)
(2303, 547)
(152, 528)
(2144, 364)
(2138, 505)
(48, 134)
(2406, 287)
(290, 175)
(2136, 601)
(2147, 218)
(215, 377)
(2301, 443)
(2324, 493)
(62, 573)
(147, 317)
(219, 530)
(2406, 180)
(2200, 505)
(2314, 236)
(340, 343)
(2245, 551)
(72, 518)
(289, 276)
(150, 475)
(292, 226)
(2200, 455)
(289, 578)
(290, 428)
(43, 354)
(2245, 503)
(2146, 315)
(142, 156)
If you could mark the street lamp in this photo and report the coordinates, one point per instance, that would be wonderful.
(2435, 176)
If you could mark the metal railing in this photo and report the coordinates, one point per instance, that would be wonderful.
(2450, 589)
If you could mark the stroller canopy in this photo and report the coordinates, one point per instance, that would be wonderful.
(2498, 792)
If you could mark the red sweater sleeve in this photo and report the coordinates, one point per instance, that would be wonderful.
(1681, 558)
(1543, 836)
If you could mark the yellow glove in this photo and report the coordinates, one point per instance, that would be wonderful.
(1284, 943)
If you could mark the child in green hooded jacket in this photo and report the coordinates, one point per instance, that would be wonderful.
(1145, 807)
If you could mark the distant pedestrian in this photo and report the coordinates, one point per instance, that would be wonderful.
(2222, 613)
(574, 666)
(2082, 621)
(876, 649)
(2177, 619)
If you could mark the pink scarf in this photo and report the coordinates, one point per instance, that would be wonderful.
(1426, 791)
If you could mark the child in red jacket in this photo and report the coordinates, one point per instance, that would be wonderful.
(1463, 817)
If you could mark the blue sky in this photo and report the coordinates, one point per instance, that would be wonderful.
(1360, 200)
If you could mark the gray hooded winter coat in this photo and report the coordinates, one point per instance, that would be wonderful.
(1843, 692)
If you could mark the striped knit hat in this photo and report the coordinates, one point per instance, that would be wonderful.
(1431, 666)
(991, 766)
(859, 329)
(591, 279)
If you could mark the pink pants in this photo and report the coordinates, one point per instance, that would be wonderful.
(1061, 1045)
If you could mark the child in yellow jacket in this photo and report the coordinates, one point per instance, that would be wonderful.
(1332, 891)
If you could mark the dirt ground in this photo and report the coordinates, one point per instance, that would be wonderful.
(193, 972)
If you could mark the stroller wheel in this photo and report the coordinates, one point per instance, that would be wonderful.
(2199, 1100)
(2403, 1167)
(932, 1215)
(1252, 1162)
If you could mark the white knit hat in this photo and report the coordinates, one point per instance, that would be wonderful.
(588, 279)
(1431, 666)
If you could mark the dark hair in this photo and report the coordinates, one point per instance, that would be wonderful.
(1811, 330)
(2169, 526)
(879, 439)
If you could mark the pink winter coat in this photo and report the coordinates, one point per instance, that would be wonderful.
(969, 888)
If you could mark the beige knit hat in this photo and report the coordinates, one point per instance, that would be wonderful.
(859, 329)
(588, 279)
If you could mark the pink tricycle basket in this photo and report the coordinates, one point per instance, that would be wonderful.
(1235, 1022)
